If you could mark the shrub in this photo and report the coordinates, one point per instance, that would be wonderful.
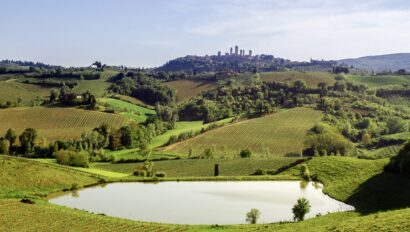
(259, 172)
(140, 172)
(72, 158)
(245, 153)
(160, 174)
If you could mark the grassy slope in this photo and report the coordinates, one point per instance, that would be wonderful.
(134, 101)
(279, 133)
(56, 123)
(187, 89)
(133, 112)
(95, 87)
(204, 167)
(161, 140)
(379, 81)
(12, 90)
(22, 177)
(312, 78)
(361, 183)
(343, 179)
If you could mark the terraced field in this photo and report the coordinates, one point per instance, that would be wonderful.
(187, 89)
(131, 111)
(312, 79)
(274, 135)
(56, 123)
(12, 90)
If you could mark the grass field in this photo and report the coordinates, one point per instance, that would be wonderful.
(312, 78)
(23, 177)
(56, 123)
(131, 111)
(95, 87)
(379, 81)
(361, 183)
(12, 90)
(41, 216)
(274, 135)
(134, 101)
(187, 89)
(204, 167)
(358, 182)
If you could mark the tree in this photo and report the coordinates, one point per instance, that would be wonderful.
(304, 171)
(300, 85)
(27, 140)
(401, 163)
(300, 209)
(253, 216)
(11, 136)
(4, 146)
(396, 125)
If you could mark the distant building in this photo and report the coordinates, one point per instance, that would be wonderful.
(231, 52)
(219, 53)
(250, 52)
(236, 50)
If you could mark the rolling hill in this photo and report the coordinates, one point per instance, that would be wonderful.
(387, 62)
(56, 123)
(277, 134)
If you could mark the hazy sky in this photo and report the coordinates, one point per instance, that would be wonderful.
(147, 33)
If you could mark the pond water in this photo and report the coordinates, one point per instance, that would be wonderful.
(201, 202)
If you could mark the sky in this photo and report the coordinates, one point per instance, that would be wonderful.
(148, 33)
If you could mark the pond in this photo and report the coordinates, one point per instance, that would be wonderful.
(200, 202)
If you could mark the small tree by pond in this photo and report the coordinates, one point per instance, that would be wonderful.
(300, 209)
(253, 216)
(304, 171)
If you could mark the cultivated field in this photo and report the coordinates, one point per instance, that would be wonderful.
(131, 111)
(56, 123)
(379, 81)
(204, 167)
(275, 135)
(12, 90)
(312, 79)
(187, 89)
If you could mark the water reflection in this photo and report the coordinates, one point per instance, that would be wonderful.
(201, 202)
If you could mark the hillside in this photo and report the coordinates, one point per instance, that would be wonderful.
(277, 134)
(12, 90)
(312, 79)
(379, 63)
(56, 123)
(186, 89)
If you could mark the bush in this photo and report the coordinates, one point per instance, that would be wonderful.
(259, 172)
(401, 163)
(325, 139)
(72, 158)
(140, 172)
(160, 174)
(245, 153)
